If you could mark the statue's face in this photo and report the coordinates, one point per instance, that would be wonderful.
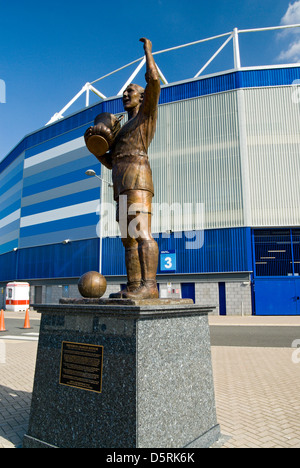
(132, 97)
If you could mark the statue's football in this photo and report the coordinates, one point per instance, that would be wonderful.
(109, 125)
(92, 285)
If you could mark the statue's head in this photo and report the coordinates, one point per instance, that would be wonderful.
(133, 97)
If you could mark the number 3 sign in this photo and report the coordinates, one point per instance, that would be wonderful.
(168, 261)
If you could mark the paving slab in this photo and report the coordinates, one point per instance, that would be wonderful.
(257, 391)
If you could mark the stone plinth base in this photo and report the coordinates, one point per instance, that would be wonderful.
(153, 387)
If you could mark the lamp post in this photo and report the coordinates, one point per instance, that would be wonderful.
(92, 173)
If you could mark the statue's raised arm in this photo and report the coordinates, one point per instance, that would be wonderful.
(152, 90)
(132, 178)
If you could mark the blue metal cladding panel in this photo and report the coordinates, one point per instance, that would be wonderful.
(267, 77)
(216, 251)
(62, 128)
(10, 204)
(79, 119)
(10, 182)
(58, 260)
(59, 139)
(13, 155)
(55, 180)
(8, 262)
(52, 261)
(113, 257)
(8, 246)
(171, 93)
(66, 224)
(223, 251)
(197, 88)
(59, 201)
(10, 208)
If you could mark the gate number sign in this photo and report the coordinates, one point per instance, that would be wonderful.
(168, 261)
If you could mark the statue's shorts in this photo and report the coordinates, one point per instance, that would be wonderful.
(133, 202)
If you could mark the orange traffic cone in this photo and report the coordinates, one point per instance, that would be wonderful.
(2, 324)
(27, 322)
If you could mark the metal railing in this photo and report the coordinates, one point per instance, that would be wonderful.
(234, 36)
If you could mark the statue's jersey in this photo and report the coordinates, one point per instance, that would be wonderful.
(130, 164)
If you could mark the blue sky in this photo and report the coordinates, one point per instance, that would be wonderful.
(49, 50)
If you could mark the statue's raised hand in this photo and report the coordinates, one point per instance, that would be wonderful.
(147, 44)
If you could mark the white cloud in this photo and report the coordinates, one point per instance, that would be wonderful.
(292, 54)
(292, 16)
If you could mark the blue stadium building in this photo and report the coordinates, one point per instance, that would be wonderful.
(226, 165)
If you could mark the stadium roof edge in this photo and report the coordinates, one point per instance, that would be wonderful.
(239, 84)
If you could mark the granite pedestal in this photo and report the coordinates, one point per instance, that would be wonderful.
(153, 387)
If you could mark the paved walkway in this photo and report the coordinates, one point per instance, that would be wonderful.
(257, 390)
(16, 382)
(257, 396)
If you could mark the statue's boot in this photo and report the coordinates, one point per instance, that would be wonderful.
(148, 255)
(134, 275)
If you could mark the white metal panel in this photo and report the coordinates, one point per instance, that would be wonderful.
(60, 213)
(273, 138)
(15, 216)
(195, 160)
(55, 152)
